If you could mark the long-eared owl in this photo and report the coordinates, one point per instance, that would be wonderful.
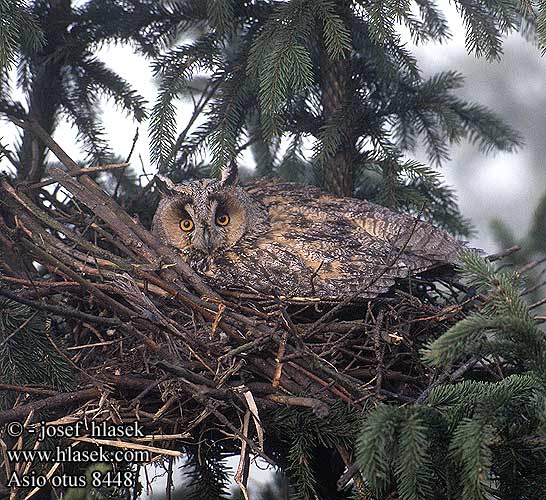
(294, 241)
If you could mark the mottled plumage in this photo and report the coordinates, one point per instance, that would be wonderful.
(295, 241)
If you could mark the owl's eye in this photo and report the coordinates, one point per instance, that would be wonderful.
(186, 225)
(222, 220)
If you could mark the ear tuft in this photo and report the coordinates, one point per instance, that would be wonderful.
(164, 184)
(229, 174)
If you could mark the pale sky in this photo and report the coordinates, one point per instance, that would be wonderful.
(505, 185)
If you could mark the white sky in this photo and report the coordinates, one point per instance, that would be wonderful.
(505, 185)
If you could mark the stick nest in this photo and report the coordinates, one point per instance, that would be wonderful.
(146, 339)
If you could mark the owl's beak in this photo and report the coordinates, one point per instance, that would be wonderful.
(207, 239)
(202, 241)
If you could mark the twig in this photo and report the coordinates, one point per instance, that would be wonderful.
(505, 253)
(133, 233)
(538, 303)
(169, 484)
(127, 445)
(74, 173)
(60, 311)
(459, 372)
(347, 476)
(278, 360)
(320, 408)
(147, 390)
(378, 346)
(60, 400)
(27, 389)
(135, 139)
(531, 265)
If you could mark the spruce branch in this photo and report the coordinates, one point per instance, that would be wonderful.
(16, 20)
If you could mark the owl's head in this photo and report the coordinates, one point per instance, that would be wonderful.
(205, 215)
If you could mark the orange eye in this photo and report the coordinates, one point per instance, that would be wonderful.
(222, 220)
(186, 225)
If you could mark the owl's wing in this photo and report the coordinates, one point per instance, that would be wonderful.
(424, 243)
(408, 234)
(321, 246)
(302, 266)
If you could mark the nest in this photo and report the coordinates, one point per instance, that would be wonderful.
(147, 340)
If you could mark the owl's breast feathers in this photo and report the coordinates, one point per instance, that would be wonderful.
(312, 245)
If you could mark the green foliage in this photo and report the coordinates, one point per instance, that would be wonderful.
(532, 246)
(220, 13)
(541, 20)
(470, 452)
(57, 71)
(28, 356)
(393, 446)
(486, 22)
(475, 439)
(280, 57)
(272, 66)
(17, 20)
(414, 466)
(206, 473)
(175, 68)
(468, 429)
(304, 434)
(504, 325)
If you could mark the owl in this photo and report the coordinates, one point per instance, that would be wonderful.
(293, 241)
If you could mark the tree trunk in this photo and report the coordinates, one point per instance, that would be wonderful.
(335, 84)
(44, 100)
